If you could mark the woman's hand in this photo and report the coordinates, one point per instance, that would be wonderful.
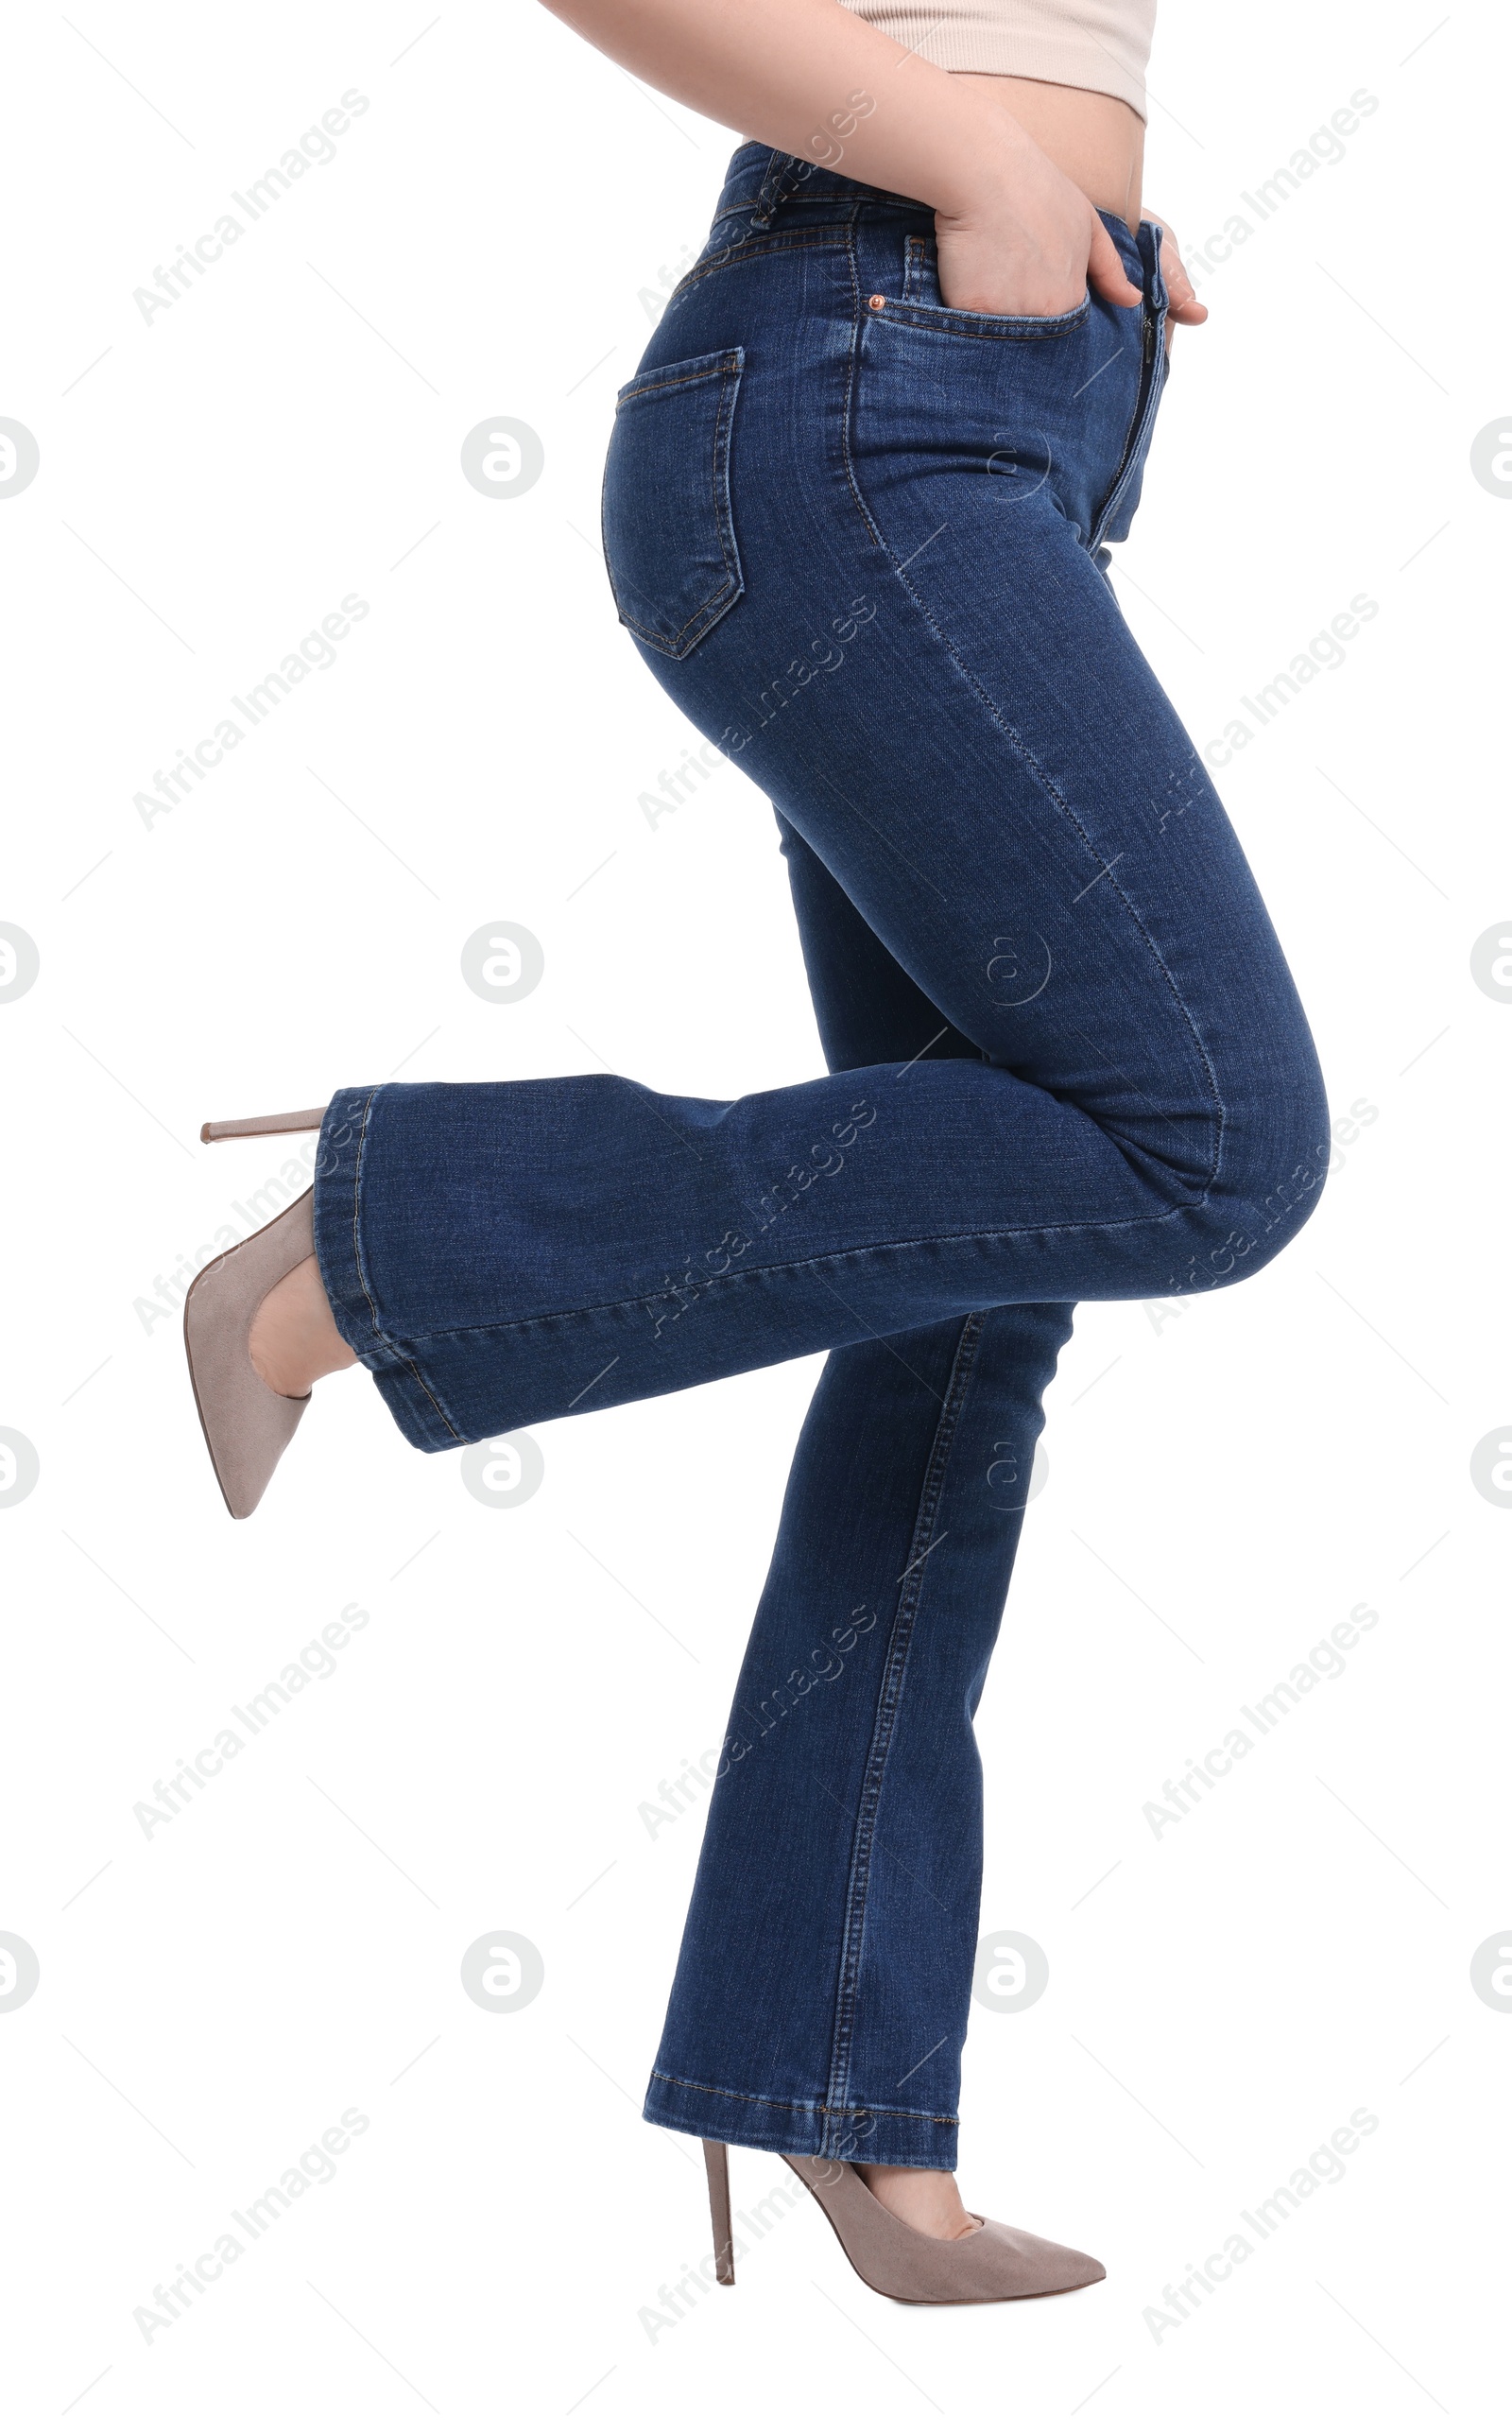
(1030, 243)
(1015, 235)
(1184, 306)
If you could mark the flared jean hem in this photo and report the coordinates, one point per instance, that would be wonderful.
(910, 2140)
(417, 1409)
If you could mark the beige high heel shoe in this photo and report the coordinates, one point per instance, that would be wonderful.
(247, 1425)
(988, 2264)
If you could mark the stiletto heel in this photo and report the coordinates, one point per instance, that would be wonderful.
(251, 1127)
(988, 2263)
(716, 2163)
(247, 1425)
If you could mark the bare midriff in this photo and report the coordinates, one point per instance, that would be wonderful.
(1097, 141)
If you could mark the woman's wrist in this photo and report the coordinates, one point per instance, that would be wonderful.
(809, 77)
(982, 157)
(946, 146)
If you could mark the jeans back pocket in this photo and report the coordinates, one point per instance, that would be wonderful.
(669, 535)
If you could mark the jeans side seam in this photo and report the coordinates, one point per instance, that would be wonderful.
(1053, 795)
(356, 1236)
(823, 1258)
(1052, 792)
(455, 1432)
(889, 1699)
(382, 1333)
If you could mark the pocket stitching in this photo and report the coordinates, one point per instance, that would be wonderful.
(1013, 329)
(1026, 327)
(727, 370)
(717, 371)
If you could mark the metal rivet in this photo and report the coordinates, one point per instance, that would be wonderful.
(876, 302)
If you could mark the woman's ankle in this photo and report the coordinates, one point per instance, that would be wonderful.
(928, 2200)
(294, 1340)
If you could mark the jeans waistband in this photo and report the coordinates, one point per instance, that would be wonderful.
(760, 182)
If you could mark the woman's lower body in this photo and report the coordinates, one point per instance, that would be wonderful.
(857, 537)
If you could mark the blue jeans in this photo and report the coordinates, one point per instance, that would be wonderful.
(858, 536)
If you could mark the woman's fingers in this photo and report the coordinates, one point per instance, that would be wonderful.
(1182, 295)
(1105, 271)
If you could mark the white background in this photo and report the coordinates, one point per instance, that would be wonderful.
(1224, 1485)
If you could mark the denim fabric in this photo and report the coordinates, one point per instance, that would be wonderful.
(858, 535)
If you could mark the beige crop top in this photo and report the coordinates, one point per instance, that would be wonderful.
(1102, 45)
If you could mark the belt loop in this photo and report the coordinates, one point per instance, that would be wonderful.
(776, 186)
